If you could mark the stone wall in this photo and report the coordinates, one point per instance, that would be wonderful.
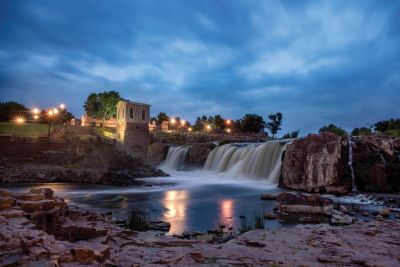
(134, 138)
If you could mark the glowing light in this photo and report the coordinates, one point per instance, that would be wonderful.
(62, 106)
(35, 117)
(183, 122)
(173, 121)
(190, 129)
(228, 122)
(35, 111)
(228, 130)
(20, 120)
(55, 111)
(208, 127)
(50, 113)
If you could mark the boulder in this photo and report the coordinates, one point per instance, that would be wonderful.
(46, 192)
(317, 163)
(376, 163)
(270, 216)
(156, 153)
(384, 212)
(268, 196)
(29, 197)
(198, 152)
(339, 219)
(6, 203)
(33, 206)
(289, 202)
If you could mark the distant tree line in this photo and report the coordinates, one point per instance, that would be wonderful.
(10, 110)
(388, 127)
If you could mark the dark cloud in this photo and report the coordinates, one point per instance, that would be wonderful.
(318, 62)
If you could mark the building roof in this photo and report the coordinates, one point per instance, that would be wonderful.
(135, 103)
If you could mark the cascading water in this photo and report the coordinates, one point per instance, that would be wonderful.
(353, 184)
(176, 157)
(257, 161)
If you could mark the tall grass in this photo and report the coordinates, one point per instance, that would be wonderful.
(138, 220)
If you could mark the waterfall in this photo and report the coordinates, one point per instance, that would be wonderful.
(353, 184)
(257, 161)
(176, 157)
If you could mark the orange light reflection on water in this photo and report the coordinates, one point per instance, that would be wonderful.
(175, 203)
(226, 212)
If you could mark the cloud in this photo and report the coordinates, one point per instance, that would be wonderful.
(318, 62)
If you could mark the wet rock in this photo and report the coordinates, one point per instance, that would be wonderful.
(289, 202)
(268, 196)
(384, 212)
(338, 218)
(270, 216)
(46, 192)
(397, 216)
(5, 193)
(376, 162)
(159, 226)
(156, 153)
(317, 163)
(198, 152)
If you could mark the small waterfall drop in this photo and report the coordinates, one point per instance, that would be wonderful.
(353, 184)
(257, 161)
(176, 157)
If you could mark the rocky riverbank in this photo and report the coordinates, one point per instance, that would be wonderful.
(69, 159)
(39, 229)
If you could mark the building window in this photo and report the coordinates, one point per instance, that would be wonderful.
(131, 113)
(143, 114)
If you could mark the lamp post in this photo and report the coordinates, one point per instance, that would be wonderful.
(50, 114)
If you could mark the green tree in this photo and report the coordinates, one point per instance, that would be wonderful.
(218, 122)
(385, 125)
(162, 116)
(102, 105)
(275, 123)
(9, 110)
(294, 134)
(361, 131)
(198, 125)
(252, 123)
(108, 104)
(331, 128)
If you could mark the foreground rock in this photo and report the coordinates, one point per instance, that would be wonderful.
(94, 240)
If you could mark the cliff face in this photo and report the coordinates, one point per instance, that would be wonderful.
(376, 163)
(319, 163)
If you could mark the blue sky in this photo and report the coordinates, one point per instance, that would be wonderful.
(317, 62)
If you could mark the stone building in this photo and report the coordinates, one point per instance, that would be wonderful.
(132, 127)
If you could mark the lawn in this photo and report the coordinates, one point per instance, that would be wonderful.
(26, 130)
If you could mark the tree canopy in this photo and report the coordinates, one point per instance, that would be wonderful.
(9, 110)
(332, 128)
(252, 123)
(361, 131)
(162, 116)
(102, 105)
(275, 123)
(294, 134)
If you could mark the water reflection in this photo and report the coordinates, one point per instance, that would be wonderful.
(175, 203)
(226, 213)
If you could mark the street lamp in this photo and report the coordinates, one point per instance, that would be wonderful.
(35, 111)
(190, 129)
(62, 106)
(173, 121)
(35, 116)
(183, 122)
(55, 111)
(20, 120)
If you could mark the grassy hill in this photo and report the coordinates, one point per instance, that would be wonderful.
(34, 130)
